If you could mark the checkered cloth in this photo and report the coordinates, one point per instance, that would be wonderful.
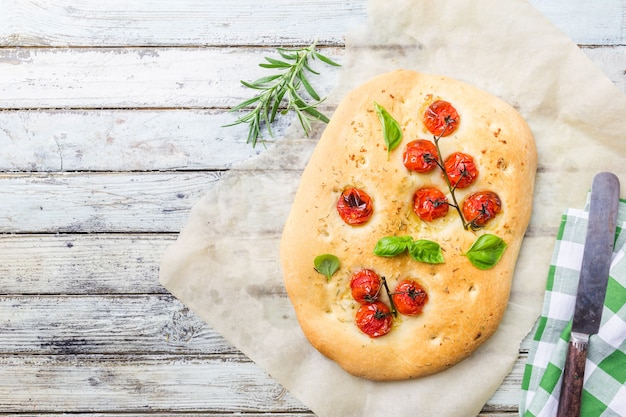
(604, 391)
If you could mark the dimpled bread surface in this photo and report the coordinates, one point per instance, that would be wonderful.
(465, 304)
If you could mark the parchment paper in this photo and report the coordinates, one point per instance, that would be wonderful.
(225, 267)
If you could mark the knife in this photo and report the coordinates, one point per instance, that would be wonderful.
(592, 284)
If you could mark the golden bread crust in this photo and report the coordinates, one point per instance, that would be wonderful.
(465, 304)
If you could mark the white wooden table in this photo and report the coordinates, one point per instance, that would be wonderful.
(109, 133)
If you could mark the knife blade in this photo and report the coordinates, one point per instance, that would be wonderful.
(592, 284)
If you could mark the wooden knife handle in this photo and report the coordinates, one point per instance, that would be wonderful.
(573, 376)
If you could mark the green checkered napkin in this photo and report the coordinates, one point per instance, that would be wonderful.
(604, 392)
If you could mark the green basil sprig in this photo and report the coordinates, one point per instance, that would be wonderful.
(426, 251)
(486, 251)
(392, 245)
(392, 133)
(326, 264)
(420, 250)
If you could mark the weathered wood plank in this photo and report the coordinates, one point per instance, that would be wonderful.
(125, 140)
(112, 325)
(159, 413)
(243, 22)
(134, 77)
(121, 383)
(176, 23)
(124, 78)
(588, 23)
(82, 263)
(114, 202)
(502, 414)
(115, 383)
(212, 414)
(90, 264)
(506, 398)
(219, 414)
(88, 203)
(612, 61)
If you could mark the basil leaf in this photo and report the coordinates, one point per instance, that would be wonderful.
(486, 251)
(392, 133)
(326, 264)
(426, 251)
(392, 245)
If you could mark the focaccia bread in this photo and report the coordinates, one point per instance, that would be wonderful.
(358, 204)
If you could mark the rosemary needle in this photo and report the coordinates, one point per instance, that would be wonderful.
(283, 90)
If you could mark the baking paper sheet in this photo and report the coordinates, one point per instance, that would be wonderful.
(225, 266)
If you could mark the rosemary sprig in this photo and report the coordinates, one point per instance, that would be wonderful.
(283, 89)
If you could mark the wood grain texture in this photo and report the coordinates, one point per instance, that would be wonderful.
(111, 129)
(587, 23)
(75, 202)
(570, 397)
(177, 23)
(75, 264)
(220, 414)
(116, 325)
(91, 263)
(124, 140)
(611, 61)
(113, 202)
(240, 22)
(131, 77)
(119, 383)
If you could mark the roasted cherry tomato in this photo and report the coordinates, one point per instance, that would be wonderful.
(355, 206)
(365, 286)
(409, 297)
(374, 319)
(420, 156)
(441, 118)
(429, 204)
(461, 169)
(480, 207)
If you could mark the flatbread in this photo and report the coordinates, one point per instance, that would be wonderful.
(465, 304)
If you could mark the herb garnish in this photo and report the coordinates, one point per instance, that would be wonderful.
(284, 87)
(486, 251)
(421, 250)
(426, 251)
(326, 264)
(392, 133)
